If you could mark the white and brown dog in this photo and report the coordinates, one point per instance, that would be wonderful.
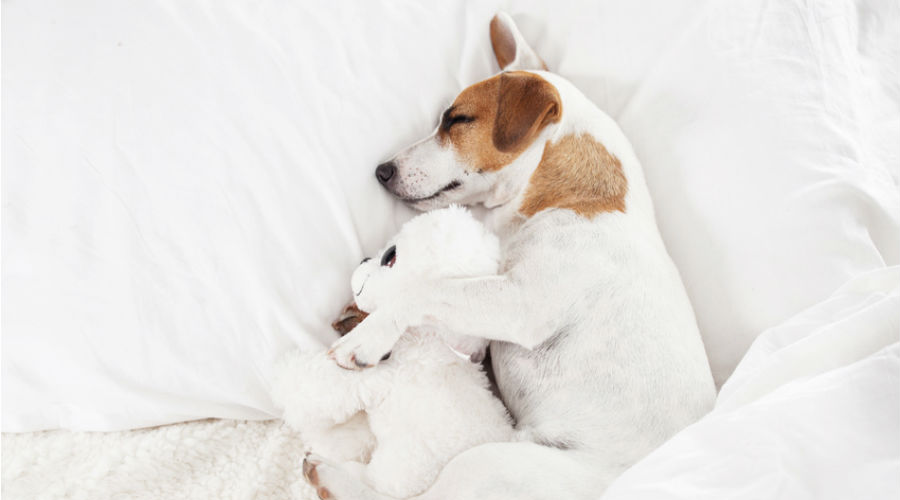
(595, 347)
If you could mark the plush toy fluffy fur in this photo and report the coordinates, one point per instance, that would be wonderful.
(400, 422)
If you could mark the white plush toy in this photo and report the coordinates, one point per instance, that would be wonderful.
(404, 419)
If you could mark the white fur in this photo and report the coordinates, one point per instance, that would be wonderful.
(426, 404)
(594, 343)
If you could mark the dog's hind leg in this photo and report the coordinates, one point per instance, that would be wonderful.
(493, 471)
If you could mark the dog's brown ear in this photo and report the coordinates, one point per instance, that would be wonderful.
(509, 45)
(526, 104)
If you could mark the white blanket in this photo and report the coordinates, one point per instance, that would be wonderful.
(812, 412)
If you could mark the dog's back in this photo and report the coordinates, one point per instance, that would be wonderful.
(624, 369)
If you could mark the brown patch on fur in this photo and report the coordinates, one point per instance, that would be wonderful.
(509, 111)
(350, 317)
(576, 173)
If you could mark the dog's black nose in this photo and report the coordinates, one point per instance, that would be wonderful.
(385, 171)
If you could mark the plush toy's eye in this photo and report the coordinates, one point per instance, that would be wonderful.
(389, 257)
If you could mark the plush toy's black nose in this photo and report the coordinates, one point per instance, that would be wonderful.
(385, 172)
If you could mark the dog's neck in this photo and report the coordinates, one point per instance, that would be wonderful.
(505, 198)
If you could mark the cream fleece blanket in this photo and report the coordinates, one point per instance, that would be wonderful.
(221, 459)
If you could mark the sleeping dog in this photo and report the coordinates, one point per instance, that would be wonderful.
(594, 343)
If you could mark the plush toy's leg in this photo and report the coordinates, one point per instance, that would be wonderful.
(349, 441)
(401, 471)
(494, 471)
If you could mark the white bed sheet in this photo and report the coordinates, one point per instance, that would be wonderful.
(187, 185)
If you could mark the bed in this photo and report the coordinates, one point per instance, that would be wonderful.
(187, 186)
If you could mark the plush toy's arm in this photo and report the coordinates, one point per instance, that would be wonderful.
(493, 308)
(316, 394)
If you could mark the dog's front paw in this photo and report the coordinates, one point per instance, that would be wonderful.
(360, 353)
(367, 345)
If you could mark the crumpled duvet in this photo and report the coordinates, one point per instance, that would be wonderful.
(812, 411)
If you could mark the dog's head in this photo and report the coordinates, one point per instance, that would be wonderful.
(488, 127)
(446, 243)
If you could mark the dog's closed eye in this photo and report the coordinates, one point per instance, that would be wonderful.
(448, 119)
(459, 119)
(389, 257)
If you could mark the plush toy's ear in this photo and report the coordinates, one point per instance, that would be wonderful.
(446, 243)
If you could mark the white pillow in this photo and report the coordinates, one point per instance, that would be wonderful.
(186, 189)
